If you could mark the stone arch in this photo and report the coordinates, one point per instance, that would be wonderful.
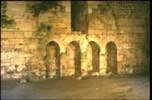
(111, 50)
(93, 57)
(74, 57)
(52, 59)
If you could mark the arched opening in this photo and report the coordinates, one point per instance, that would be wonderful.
(111, 57)
(53, 60)
(74, 57)
(93, 56)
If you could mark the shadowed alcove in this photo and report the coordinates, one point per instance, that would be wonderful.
(111, 57)
(53, 59)
(74, 55)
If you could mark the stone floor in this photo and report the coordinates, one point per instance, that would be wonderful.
(115, 87)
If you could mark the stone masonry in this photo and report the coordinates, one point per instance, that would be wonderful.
(104, 36)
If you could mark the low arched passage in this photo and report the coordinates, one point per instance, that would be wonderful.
(52, 60)
(111, 50)
(74, 57)
(93, 56)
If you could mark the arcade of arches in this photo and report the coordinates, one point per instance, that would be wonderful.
(79, 37)
(73, 57)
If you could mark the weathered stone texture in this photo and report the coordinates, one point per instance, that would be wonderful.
(124, 23)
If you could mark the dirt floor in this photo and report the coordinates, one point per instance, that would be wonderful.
(116, 87)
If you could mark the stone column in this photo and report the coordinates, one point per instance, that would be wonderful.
(103, 64)
(84, 64)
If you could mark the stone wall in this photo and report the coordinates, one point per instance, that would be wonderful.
(24, 50)
(124, 23)
(21, 45)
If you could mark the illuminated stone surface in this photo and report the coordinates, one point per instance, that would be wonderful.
(126, 25)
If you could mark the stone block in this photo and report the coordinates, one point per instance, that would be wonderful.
(16, 76)
(3, 71)
(28, 34)
(23, 81)
(5, 42)
(20, 68)
(11, 69)
(6, 76)
(8, 34)
(18, 35)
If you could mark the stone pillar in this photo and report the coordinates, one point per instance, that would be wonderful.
(103, 64)
(84, 64)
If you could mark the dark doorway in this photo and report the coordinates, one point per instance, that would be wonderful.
(111, 57)
(53, 55)
(95, 56)
(74, 48)
(79, 15)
